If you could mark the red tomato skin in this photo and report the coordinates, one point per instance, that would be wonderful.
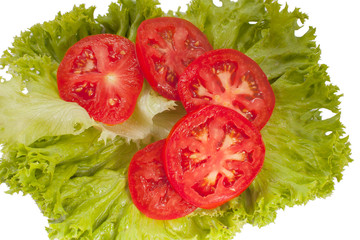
(145, 53)
(148, 164)
(172, 162)
(113, 98)
(261, 106)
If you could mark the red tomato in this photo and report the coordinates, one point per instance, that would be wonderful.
(150, 189)
(212, 155)
(165, 47)
(228, 77)
(101, 74)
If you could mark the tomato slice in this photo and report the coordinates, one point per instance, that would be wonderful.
(212, 155)
(101, 74)
(228, 77)
(165, 46)
(149, 187)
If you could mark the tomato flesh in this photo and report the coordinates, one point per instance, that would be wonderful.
(229, 78)
(150, 189)
(212, 155)
(101, 74)
(165, 46)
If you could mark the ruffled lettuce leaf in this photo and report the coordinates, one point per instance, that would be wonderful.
(235, 25)
(53, 38)
(80, 183)
(124, 17)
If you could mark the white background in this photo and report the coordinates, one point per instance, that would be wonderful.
(337, 217)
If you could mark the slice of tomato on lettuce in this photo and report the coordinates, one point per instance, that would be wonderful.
(229, 78)
(102, 75)
(150, 189)
(212, 155)
(165, 46)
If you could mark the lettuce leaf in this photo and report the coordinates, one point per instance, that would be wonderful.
(53, 38)
(80, 185)
(79, 181)
(31, 107)
(125, 20)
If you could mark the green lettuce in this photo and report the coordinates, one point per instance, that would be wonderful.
(76, 169)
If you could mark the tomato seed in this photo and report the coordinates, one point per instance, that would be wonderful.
(171, 78)
(79, 89)
(113, 101)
